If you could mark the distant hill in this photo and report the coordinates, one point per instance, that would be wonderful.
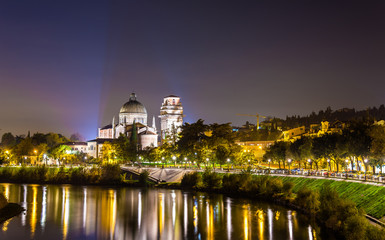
(344, 115)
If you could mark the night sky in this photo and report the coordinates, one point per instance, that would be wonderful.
(68, 66)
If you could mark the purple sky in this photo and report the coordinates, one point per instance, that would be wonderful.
(68, 66)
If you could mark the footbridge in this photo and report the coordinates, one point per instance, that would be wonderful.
(158, 174)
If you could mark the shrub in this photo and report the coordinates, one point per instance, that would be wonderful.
(355, 228)
(143, 178)
(211, 180)
(308, 200)
(77, 175)
(192, 180)
(110, 173)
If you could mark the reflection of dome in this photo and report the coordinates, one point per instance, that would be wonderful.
(133, 106)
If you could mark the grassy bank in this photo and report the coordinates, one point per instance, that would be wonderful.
(368, 197)
(108, 174)
(322, 202)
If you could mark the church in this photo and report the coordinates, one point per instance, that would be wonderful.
(134, 114)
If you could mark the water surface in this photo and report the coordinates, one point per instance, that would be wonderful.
(76, 212)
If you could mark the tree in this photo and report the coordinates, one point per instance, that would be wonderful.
(193, 141)
(77, 137)
(377, 149)
(8, 140)
(60, 152)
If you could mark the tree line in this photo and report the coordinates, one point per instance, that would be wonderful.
(360, 144)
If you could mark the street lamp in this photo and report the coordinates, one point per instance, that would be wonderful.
(309, 161)
(329, 166)
(289, 161)
(185, 162)
(269, 160)
(35, 151)
(228, 164)
(365, 161)
(174, 158)
(207, 162)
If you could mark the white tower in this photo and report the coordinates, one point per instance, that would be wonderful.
(171, 116)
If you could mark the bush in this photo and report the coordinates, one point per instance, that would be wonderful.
(192, 180)
(143, 178)
(308, 200)
(355, 228)
(211, 180)
(77, 175)
(110, 173)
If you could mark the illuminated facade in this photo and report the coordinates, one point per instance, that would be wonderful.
(171, 116)
(131, 112)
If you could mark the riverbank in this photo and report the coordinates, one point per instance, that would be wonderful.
(8, 210)
(324, 204)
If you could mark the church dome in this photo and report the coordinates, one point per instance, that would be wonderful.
(133, 106)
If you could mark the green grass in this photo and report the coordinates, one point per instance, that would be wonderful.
(368, 197)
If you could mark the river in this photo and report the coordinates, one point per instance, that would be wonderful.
(95, 212)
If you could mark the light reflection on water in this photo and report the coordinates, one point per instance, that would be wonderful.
(75, 212)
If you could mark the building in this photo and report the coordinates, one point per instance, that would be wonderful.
(132, 112)
(171, 116)
(78, 147)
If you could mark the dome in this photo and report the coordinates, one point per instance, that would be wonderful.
(133, 106)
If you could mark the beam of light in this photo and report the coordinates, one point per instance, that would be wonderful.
(173, 208)
(84, 207)
(6, 191)
(195, 215)
(161, 214)
(112, 206)
(139, 209)
(310, 232)
(24, 205)
(270, 217)
(229, 227)
(185, 215)
(66, 209)
(290, 222)
(261, 221)
(210, 220)
(44, 209)
(33, 219)
(245, 222)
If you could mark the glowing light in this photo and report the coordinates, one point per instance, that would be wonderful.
(139, 209)
(195, 215)
(112, 206)
(44, 209)
(84, 207)
(289, 219)
(66, 209)
(24, 205)
(245, 223)
(310, 233)
(229, 227)
(173, 208)
(161, 213)
(270, 217)
(261, 221)
(33, 211)
(185, 215)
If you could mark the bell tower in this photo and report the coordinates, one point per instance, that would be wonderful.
(171, 116)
